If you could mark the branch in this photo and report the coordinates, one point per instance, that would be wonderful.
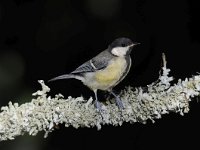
(43, 113)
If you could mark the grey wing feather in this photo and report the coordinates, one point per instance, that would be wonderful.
(86, 67)
(97, 63)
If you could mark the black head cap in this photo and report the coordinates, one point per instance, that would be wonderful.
(120, 42)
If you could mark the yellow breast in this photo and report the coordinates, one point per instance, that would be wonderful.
(110, 75)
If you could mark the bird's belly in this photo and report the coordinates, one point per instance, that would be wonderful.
(108, 77)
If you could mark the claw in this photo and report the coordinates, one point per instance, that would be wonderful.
(98, 106)
(97, 103)
(118, 101)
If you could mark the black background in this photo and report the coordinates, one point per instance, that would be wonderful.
(40, 39)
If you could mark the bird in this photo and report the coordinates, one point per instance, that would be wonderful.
(105, 70)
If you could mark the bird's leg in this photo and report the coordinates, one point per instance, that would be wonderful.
(118, 100)
(97, 103)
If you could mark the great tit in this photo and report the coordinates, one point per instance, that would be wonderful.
(106, 70)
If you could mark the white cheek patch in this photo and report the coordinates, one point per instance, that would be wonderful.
(120, 51)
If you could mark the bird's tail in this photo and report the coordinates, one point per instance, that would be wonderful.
(67, 76)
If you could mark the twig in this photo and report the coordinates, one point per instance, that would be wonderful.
(43, 113)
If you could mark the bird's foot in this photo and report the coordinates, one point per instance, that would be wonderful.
(98, 106)
(119, 103)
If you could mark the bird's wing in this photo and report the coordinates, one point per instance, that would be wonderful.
(97, 63)
(86, 67)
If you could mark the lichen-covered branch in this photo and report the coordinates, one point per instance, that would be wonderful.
(43, 113)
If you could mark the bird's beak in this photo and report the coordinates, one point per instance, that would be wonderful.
(135, 43)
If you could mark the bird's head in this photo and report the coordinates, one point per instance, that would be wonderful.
(121, 47)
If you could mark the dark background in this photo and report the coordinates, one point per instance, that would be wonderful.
(40, 39)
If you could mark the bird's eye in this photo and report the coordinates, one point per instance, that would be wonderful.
(123, 45)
